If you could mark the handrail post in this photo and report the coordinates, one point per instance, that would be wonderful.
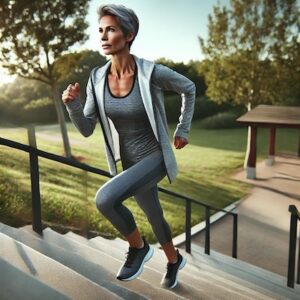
(188, 212)
(35, 182)
(299, 145)
(292, 250)
(234, 235)
(298, 268)
(207, 230)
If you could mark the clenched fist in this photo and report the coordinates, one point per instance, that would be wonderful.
(180, 142)
(71, 92)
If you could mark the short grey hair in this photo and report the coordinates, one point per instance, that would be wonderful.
(126, 17)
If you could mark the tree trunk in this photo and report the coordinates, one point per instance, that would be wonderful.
(248, 140)
(61, 120)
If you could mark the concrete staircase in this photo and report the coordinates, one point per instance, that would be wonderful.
(68, 266)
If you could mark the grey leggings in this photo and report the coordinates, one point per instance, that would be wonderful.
(139, 180)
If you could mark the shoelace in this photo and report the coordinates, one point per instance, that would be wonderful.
(131, 255)
(170, 268)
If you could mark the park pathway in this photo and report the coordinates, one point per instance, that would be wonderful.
(263, 225)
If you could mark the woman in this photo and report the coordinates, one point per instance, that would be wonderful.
(129, 94)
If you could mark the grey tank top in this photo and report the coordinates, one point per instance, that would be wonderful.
(131, 121)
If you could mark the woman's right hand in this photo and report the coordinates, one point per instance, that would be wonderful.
(71, 92)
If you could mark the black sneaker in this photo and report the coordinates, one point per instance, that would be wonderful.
(134, 263)
(170, 278)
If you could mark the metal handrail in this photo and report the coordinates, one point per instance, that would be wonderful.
(34, 153)
(208, 209)
(295, 217)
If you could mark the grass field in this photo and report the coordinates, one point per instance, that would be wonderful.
(67, 194)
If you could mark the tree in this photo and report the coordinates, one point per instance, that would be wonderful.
(252, 51)
(33, 34)
(189, 70)
(32, 99)
(26, 101)
(76, 66)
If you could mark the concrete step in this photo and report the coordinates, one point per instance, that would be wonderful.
(270, 284)
(150, 275)
(221, 259)
(49, 271)
(276, 284)
(218, 286)
(76, 237)
(93, 272)
(213, 282)
(145, 288)
(214, 276)
(189, 283)
(29, 287)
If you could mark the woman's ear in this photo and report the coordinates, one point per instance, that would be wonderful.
(130, 37)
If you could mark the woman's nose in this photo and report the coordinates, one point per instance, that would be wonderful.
(104, 36)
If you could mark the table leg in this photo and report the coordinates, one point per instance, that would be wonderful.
(272, 138)
(251, 164)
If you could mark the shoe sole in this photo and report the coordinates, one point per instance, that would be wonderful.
(183, 263)
(146, 258)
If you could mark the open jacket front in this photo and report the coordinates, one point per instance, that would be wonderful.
(153, 98)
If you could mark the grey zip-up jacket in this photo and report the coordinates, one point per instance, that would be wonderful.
(153, 98)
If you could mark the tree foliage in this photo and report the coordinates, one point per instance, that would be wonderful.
(24, 101)
(252, 51)
(33, 34)
(76, 66)
(190, 70)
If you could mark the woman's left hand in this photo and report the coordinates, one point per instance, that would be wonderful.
(180, 142)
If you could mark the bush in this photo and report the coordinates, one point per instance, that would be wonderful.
(204, 107)
(221, 120)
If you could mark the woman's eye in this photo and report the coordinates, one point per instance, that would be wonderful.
(109, 29)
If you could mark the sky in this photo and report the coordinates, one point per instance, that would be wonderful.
(168, 28)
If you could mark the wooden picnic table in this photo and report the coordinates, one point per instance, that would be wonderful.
(273, 117)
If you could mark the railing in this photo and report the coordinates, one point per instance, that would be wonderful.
(34, 153)
(295, 217)
(208, 209)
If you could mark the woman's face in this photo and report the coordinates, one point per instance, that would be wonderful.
(112, 38)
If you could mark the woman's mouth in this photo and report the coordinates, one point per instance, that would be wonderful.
(106, 46)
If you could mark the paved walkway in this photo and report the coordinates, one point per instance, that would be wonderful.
(263, 225)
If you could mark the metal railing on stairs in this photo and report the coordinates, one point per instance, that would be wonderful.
(295, 217)
(35, 153)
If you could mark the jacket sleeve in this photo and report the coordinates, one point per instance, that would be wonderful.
(169, 80)
(84, 119)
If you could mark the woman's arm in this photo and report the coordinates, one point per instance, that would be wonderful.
(169, 80)
(83, 119)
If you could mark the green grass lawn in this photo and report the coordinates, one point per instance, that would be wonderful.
(67, 193)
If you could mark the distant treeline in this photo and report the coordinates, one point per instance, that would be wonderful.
(28, 101)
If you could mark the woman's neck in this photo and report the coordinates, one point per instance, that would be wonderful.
(122, 65)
